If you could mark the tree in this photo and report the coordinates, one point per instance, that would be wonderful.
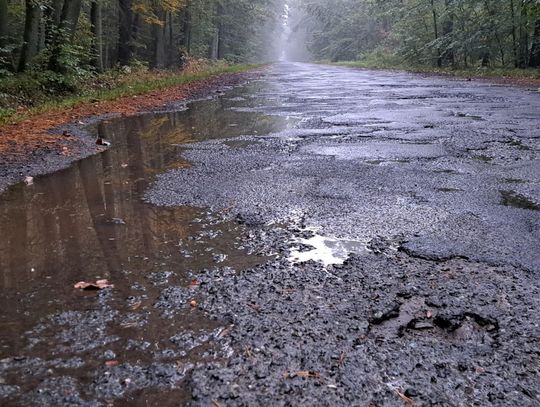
(125, 26)
(64, 34)
(3, 23)
(30, 36)
(97, 32)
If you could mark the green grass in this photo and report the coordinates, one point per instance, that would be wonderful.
(124, 88)
(470, 72)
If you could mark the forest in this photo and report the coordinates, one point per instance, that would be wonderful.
(60, 35)
(438, 33)
(52, 47)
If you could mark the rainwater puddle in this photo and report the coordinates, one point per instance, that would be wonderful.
(88, 222)
(511, 198)
(326, 249)
(378, 151)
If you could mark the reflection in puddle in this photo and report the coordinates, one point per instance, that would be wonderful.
(240, 143)
(88, 222)
(327, 250)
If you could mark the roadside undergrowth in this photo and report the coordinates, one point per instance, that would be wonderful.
(31, 129)
(509, 75)
(119, 84)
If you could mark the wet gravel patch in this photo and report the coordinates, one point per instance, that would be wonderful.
(373, 330)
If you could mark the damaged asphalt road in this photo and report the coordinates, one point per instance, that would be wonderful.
(418, 197)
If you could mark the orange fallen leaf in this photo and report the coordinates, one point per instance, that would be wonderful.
(98, 285)
(112, 363)
(193, 303)
(216, 403)
(194, 284)
(308, 374)
(136, 306)
(408, 401)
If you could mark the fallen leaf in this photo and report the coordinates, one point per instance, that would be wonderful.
(194, 284)
(136, 306)
(112, 363)
(216, 403)
(29, 180)
(193, 303)
(408, 401)
(429, 314)
(98, 285)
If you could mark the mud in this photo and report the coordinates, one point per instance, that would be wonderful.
(426, 287)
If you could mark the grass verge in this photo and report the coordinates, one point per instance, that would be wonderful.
(503, 73)
(126, 85)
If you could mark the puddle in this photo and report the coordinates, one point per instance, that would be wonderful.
(327, 250)
(483, 158)
(518, 144)
(511, 198)
(387, 162)
(240, 143)
(515, 181)
(378, 151)
(88, 222)
(449, 189)
(446, 171)
(468, 116)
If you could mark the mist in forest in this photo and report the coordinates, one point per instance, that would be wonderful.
(428, 33)
(296, 35)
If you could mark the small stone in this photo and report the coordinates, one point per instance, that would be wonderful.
(423, 325)
(410, 392)
(109, 355)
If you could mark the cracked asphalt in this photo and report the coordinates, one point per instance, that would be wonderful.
(416, 198)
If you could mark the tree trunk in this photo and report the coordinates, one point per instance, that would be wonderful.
(171, 49)
(186, 29)
(3, 23)
(125, 49)
(534, 60)
(523, 50)
(436, 32)
(448, 31)
(69, 18)
(31, 34)
(220, 33)
(53, 12)
(514, 35)
(158, 37)
(66, 31)
(97, 32)
(213, 49)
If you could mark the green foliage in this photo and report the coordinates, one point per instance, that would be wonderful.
(452, 33)
(122, 85)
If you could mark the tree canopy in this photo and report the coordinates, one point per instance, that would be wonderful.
(457, 33)
(66, 36)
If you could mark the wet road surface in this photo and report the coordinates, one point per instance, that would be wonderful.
(319, 236)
